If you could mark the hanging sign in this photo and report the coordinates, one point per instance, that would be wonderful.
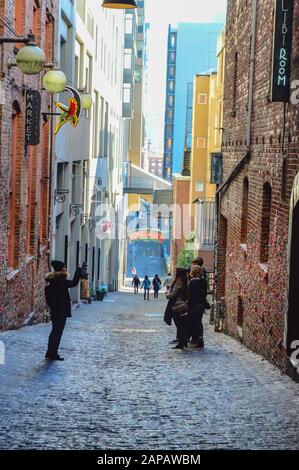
(32, 117)
(71, 112)
(282, 51)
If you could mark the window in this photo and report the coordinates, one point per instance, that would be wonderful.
(127, 93)
(36, 24)
(129, 24)
(171, 85)
(201, 142)
(240, 312)
(170, 101)
(128, 59)
(169, 143)
(96, 129)
(43, 217)
(244, 219)
(202, 98)
(19, 16)
(171, 57)
(171, 72)
(31, 200)
(266, 219)
(199, 186)
(172, 41)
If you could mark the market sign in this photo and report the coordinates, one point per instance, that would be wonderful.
(146, 235)
(32, 117)
(282, 50)
(216, 168)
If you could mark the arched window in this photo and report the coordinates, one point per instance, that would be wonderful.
(266, 219)
(14, 187)
(19, 16)
(244, 220)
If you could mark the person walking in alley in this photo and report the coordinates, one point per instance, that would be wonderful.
(197, 300)
(58, 299)
(168, 282)
(146, 285)
(178, 298)
(157, 286)
(136, 283)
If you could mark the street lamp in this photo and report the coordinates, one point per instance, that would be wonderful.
(86, 101)
(54, 81)
(30, 58)
(119, 4)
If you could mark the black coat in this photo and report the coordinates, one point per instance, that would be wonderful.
(177, 296)
(57, 293)
(198, 289)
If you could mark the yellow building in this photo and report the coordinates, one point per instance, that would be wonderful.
(206, 128)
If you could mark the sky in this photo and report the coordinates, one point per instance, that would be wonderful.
(160, 13)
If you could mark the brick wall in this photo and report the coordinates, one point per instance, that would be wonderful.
(181, 191)
(253, 286)
(22, 279)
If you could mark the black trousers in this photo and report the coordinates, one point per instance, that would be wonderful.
(146, 294)
(136, 288)
(182, 324)
(156, 294)
(195, 322)
(58, 324)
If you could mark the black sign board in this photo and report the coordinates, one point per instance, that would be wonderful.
(32, 119)
(216, 168)
(282, 50)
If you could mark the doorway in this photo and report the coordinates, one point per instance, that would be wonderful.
(293, 310)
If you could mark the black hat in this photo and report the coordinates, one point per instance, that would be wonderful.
(57, 265)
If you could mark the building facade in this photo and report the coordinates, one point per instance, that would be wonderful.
(258, 217)
(191, 50)
(26, 170)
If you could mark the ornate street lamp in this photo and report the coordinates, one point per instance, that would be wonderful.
(119, 4)
(86, 101)
(54, 81)
(30, 58)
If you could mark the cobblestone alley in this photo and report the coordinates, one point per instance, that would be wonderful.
(122, 386)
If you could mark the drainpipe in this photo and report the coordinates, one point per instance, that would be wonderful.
(251, 75)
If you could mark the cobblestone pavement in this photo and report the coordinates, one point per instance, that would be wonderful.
(122, 386)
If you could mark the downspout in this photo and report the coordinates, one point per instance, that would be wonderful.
(251, 74)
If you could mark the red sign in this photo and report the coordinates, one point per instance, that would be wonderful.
(146, 235)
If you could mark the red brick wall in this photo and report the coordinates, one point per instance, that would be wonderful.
(261, 287)
(22, 287)
(181, 188)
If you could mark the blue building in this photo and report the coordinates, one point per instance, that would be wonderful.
(191, 50)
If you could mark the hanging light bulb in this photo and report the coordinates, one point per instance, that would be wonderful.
(54, 81)
(86, 101)
(119, 4)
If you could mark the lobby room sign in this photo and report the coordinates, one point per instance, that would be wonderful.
(282, 50)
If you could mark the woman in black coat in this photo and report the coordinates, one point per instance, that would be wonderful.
(197, 300)
(58, 299)
(178, 296)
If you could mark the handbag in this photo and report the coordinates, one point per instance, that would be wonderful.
(207, 305)
(180, 309)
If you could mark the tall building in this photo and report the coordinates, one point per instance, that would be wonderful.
(26, 166)
(191, 50)
(259, 198)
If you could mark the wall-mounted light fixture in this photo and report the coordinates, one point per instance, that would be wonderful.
(119, 4)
